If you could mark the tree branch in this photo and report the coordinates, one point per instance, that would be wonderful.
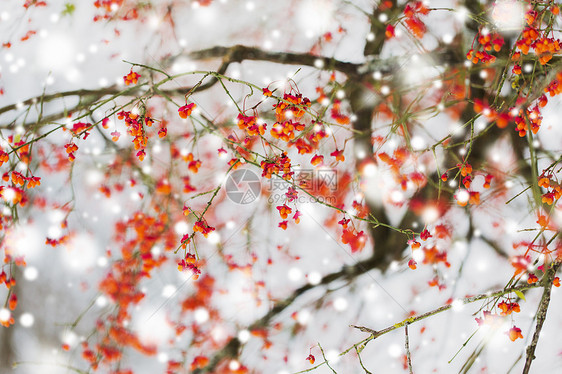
(99, 93)
(407, 346)
(541, 314)
(347, 272)
(92, 96)
(239, 53)
(467, 300)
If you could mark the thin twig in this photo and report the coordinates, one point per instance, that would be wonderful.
(407, 345)
(326, 360)
(443, 308)
(358, 350)
(541, 314)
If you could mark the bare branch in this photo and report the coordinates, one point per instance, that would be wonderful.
(361, 361)
(541, 314)
(443, 308)
(239, 53)
(325, 359)
(80, 93)
(407, 346)
(346, 273)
